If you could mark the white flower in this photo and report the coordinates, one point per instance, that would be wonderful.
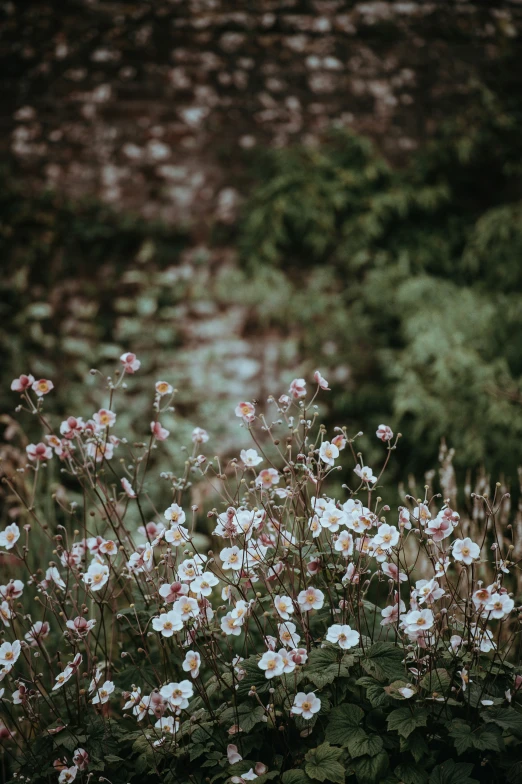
(343, 636)
(298, 388)
(321, 381)
(240, 611)
(104, 418)
(328, 453)
(233, 755)
(422, 514)
(267, 478)
(384, 432)
(482, 638)
(167, 724)
(177, 694)
(306, 705)
(186, 608)
(9, 536)
(250, 458)
(284, 606)
(52, 575)
(332, 517)
(391, 613)
(5, 613)
(67, 775)
(287, 634)
(38, 631)
(365, 473)
(465, 550)
(418, 621)
(130, 362)
(96, 576)
(428, 591)
(167, 623)
(103, 693)
(272, 664)
(13, 589)
(192, 663)
(174, 514)
(245, 411)
(498, 606)
(311, 599)
(232, 558)
(9, 653)
(315, 527)
(289, 663)
(406, 692)
(62, 677)
(199, 436)
(344, 543)
(202, 585)
(231, 625)
(191, 568)
(177, 535)
(386, 537)
(163, 388)
(129, 490)
(133, 699)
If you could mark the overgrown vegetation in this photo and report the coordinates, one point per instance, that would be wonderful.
(405, 280)
(412, 276)
(325, 637)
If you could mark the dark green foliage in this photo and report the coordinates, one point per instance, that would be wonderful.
(413, 278)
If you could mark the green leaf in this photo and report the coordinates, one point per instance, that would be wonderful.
(325, 667)
(507, 718)
(485, 738)
(461, 734)
(411, 774)
(360, 744)
(371, 770)
(405, 721)
(322, 764)
(375, 692)
(514, 774)
(438, 680)
(246, 715)
(344, 719)
(295, 776)
(384, 661)
(451, 772)
(415, 744)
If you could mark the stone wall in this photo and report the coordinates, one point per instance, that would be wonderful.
(152, 106)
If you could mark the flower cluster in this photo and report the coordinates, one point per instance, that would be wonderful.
(296, 573)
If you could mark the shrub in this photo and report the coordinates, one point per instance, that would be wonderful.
(327, 638)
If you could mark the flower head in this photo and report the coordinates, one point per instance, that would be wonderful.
(9, 536)
(22, 383)
(343, 636)
(42, 387)
(328, 452)
(130, 363)
(306, 705)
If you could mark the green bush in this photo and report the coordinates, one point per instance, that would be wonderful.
(324, 638)
(411, 277)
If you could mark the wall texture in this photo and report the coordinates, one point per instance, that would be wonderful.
(151, 105)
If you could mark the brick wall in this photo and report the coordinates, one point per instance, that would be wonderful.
(152, 106)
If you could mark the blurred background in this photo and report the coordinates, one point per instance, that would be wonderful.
(242, 192)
